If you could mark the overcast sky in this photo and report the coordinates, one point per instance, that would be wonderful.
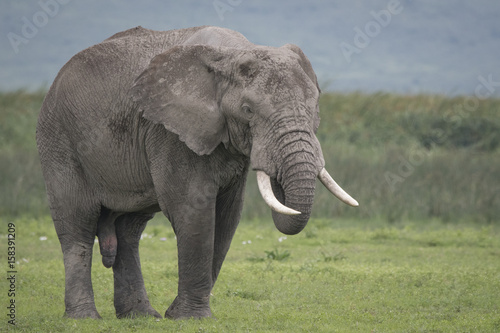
(407, 46)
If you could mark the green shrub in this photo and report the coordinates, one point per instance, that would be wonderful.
(401, 157)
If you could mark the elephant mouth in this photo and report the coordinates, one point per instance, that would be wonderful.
(278, 190)
(274, 195)
(292, 204)
(289, 187)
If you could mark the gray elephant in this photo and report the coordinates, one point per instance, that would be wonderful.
(150, 121)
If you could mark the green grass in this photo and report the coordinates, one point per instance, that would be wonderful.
(420, 254)
(339, 276)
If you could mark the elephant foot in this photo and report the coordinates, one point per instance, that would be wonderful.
(82, 312)
(139, 313)
(140, 309)
(180, 310)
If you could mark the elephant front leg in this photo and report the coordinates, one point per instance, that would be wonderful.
(229, 206)
(195, 244)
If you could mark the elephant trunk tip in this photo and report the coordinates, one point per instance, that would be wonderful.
(285, 226)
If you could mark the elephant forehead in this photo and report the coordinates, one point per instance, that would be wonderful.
(290, 93)
(265, 60)
(286, 79)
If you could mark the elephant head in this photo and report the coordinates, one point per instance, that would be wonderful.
(261, 102)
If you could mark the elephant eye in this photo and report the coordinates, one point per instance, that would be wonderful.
(247, 111)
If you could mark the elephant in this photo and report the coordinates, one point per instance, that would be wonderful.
(172, 121)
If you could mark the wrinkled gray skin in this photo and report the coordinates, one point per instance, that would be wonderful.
(150, 121)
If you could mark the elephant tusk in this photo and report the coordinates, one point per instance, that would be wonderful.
(264, 182)
(336, 190)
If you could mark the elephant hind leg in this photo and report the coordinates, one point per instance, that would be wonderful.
(131, 299)
(76, 229)
(107, 236)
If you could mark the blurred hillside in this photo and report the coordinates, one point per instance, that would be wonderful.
(401, 157)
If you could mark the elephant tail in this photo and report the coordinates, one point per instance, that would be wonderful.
(107, 239)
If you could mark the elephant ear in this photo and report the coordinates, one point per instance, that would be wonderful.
(308, 69)
(178, 89)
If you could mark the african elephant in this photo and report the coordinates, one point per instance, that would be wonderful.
(171, 121)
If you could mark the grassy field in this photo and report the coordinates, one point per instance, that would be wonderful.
(336, 276)
(420, 254)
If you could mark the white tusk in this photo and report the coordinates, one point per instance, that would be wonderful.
(336, 190)
(264, 182)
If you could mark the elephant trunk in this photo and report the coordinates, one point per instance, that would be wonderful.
(296, 192)
(294, 182)
(290, 190)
